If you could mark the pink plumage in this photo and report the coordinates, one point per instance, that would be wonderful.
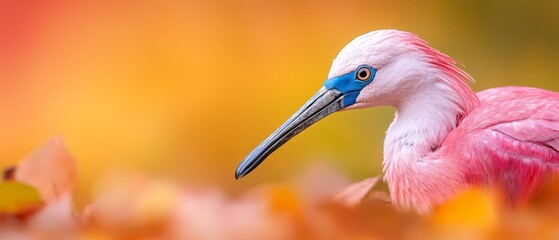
(512, 138)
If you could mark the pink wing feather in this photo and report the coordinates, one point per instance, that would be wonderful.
(533, 114)
(511, 139)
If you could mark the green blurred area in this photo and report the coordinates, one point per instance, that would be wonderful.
(186, 89)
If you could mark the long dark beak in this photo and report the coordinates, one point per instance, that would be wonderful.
(322, 104)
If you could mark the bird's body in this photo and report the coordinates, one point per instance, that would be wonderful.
(509, 141)
(444, 138)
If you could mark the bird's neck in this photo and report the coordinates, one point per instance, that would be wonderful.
(421, 124)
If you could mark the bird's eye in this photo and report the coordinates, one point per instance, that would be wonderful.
(363, 74)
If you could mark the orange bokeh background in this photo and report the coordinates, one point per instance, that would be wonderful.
(186, 89)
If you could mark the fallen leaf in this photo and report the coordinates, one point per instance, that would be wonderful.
(127, 202)
(472, 209)
(50, 168)
(263, 213)
(319, 182)
(282, 199)
(355, 193)
(17, 198)
(15, 233)
(55, 220)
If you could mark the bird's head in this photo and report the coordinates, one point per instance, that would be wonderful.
(383, 67)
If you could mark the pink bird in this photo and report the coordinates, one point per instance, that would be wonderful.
(444, 138)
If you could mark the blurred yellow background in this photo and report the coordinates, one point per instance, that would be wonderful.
(185, 89)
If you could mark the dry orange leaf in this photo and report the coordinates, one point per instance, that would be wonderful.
(55, 220)
(285, 200)
(473, 209)
(50, 168)
(128, 201)
(16, 198)
(354, 194)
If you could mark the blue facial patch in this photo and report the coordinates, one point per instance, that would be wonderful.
(350, 85)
